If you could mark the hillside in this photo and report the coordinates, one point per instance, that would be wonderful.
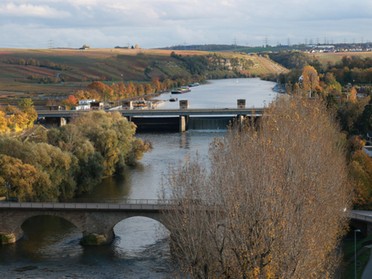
(56, 73)
(334, 57)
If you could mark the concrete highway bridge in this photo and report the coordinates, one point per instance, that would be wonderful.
(165, 119)
(362, 219)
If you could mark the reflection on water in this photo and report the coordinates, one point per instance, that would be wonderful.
(132, 231)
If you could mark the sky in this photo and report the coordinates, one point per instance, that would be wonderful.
(162, 23)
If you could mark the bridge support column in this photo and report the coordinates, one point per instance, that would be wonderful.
(240, 120)
(183, 123)
(10, 227)
(62, 122)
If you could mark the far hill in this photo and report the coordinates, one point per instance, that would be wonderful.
(56, 73)
(335, 57)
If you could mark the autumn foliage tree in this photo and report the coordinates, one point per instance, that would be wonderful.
(74, 157)
(310, 79)
(70, 101)
(270, 204)
(16, 119)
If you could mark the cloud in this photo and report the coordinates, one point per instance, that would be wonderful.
(29, 10)
(150, 23)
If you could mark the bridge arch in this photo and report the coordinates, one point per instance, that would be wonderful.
(69, 218)
(133, 234)
(50, 231)
(13, 228)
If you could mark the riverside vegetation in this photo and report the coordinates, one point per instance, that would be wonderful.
(344, 82)
(60, 163)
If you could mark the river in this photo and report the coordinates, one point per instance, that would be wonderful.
(50, 247)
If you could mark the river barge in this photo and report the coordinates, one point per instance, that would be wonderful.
(181, 90)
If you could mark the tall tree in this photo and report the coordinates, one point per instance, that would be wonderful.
(310, 79)
(270, 205)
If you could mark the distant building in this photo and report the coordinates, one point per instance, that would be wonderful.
(85, 47)
(96, 105)
(84, 104)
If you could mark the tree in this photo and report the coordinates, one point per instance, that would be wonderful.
(70, 139)
(70, 101)
(18, 119)
(353, 95)
(60, 167)
(365, 120)
(353, 116)
(331, 85)
(257, 211)
(310, 79)
(361, 174)
(3, 122)
(24, 181)
(57, 165)
(27, 106)
(111, 135)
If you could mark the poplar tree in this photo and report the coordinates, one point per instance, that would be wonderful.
(271, 203)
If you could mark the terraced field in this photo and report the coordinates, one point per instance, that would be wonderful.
(56, 73)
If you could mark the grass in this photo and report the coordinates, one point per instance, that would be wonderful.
(333, 58)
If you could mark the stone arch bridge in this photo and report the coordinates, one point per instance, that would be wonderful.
(95, 220)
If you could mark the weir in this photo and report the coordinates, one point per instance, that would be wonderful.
(184, 123)
(209, 123)
(168, 120)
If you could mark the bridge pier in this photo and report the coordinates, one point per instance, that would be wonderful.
(96, 239)
(9, 238)
(10, 227)
(183, 123)
(240, 120)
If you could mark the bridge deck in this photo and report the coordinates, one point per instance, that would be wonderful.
(129, 204)
(361, 215)
(160, 112)
(142, 204)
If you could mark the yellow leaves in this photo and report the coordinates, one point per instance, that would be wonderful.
(256, 272)
(353, 95)
(310, 77)
(13, 119)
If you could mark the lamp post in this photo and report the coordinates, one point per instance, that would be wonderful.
(355, 254)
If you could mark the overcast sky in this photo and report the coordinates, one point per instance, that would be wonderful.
(159, 23)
